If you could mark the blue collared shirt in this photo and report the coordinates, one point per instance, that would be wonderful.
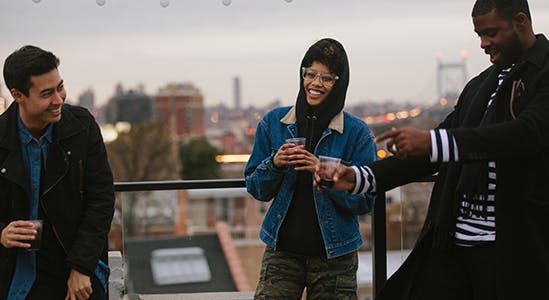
(34, 151)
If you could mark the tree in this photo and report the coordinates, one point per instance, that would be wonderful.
(197, 159)
(143, 153)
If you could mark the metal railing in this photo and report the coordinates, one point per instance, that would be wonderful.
(379, 231)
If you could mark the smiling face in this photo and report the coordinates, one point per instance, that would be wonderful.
(499, 38)
(43, 105)
(317, 91)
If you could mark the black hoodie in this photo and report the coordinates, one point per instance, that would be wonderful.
(300, 231)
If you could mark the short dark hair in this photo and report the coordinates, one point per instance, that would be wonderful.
(24, 63)
(506, 9)
(328, 52)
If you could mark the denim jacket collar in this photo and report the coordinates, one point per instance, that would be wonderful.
(336, 123)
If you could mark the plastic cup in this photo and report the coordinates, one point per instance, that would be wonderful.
(327, 170)
(35, 244)
(296, 141)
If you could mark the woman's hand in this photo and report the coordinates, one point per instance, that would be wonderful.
(303, 160)
(283, 155)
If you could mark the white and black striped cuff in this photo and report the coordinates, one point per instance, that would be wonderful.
(365, 181)
(443, 146)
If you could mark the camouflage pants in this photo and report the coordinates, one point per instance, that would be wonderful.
(284, 275)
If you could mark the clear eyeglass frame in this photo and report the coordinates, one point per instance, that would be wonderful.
(326, 79)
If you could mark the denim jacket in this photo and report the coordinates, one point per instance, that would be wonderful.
(346, 137)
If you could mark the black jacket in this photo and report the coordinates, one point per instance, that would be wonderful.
(520, 148)
(77, 190)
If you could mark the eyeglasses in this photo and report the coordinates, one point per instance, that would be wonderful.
(326, 79)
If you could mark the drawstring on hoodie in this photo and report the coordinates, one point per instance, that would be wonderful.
(310, 132)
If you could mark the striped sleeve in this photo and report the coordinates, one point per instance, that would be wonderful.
(443, 146)
(364, 180)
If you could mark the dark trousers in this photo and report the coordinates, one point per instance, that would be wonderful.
(463, 273)
(284, 275)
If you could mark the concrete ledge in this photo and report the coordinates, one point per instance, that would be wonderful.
(116, 279)
(197, 296)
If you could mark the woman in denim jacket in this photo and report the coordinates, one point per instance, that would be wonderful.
(312, 236)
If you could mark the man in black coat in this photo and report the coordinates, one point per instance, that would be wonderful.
(53, 167)
(486, 234)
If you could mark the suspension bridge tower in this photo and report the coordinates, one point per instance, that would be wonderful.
(451, 78)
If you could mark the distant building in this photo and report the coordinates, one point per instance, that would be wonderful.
(131, 107)
(118, 90)
(87, 100)
(237, 94)
(180, 109)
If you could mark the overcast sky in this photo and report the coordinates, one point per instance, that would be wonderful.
(391, 43)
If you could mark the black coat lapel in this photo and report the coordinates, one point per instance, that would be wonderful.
(480, 100)
(57, 167)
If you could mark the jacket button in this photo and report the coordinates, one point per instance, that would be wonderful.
(69, 153)
(279, 216)
(3, 170)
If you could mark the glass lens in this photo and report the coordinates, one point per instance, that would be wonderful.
(329, 79)
(309, 74)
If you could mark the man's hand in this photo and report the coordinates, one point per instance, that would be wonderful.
(78, 286)
(17, 233)
(407, 141)
(344, 179)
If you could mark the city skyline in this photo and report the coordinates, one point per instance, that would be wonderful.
(391, 44)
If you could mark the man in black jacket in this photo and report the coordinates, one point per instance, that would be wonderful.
(53, 167)
(486, 235)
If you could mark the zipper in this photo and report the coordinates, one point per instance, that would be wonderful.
(65, 159)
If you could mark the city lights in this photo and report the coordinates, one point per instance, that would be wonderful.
(381, 154)
(232, 158)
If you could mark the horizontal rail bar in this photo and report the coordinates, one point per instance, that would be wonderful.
(135, 186)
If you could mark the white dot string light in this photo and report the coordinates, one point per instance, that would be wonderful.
(164, 3)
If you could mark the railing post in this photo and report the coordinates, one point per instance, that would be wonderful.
(379, 249)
